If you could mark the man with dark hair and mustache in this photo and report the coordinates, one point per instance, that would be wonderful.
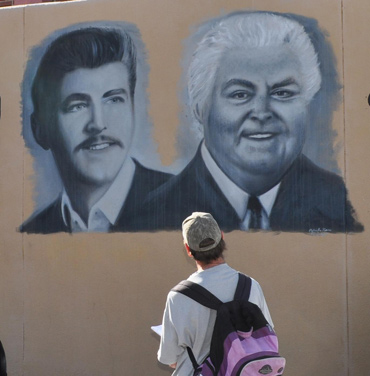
(83, 99)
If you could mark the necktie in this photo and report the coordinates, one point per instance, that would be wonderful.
(255, 208)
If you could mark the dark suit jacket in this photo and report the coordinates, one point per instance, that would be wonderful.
(309, 199)
(50, 220)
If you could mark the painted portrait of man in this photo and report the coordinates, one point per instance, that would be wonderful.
(84, 113)
(252, 83)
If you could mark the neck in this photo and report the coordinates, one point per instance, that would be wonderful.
(84, 197)
(255, 182)
(203, 266)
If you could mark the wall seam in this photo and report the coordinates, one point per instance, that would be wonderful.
(347, 347)
(23, 195)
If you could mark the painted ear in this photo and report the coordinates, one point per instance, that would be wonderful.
(198, 114)
(198, 126)
(39, 132)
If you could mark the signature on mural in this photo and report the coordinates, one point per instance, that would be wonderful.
(259, 85)
(319, 230)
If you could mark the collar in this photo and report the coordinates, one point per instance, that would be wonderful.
(105, 212)
(237, 198)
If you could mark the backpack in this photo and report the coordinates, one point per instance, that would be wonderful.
(243, 343)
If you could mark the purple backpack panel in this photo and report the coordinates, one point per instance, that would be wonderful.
(241, 349)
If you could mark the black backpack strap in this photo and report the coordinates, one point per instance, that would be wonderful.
(2, 361)
(192, 358)
(207, 299)
(243, 288)
(198, 293)
(202, 296)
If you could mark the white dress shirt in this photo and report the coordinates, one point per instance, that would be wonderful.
(238, 198)
(105, 212)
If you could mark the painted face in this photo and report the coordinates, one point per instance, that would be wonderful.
(257, 114)
(94, 124)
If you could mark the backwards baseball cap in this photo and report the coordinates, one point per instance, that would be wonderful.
(198, 227)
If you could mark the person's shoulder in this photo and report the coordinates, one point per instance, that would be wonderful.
(254, 282)
(317, 175)
(187, 190)
(306, 180)
(149, 176)
(167, 204)
(177, 299)
(325, 188)
(135, 215)
(318, 198)
(179, 180)
(48, 220)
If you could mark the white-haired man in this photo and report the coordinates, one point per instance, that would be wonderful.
(250, 83)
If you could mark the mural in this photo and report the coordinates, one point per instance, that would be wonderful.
(261, 89)
(83, 112)
(257, 83)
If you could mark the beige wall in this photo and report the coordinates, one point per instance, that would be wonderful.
(84, 304)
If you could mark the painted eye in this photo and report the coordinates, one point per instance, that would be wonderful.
(116, 100)
(283, 94)
(240, 95)
(76, 107)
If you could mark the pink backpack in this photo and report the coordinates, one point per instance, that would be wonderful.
(243, 343)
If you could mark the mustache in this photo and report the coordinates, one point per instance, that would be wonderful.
(94, 140)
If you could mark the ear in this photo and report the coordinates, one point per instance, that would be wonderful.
(39, 133)
(197, 114)
(188, 250)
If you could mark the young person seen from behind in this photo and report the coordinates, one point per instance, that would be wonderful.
(187, 323)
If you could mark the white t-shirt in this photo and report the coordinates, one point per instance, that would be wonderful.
(188, 323)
